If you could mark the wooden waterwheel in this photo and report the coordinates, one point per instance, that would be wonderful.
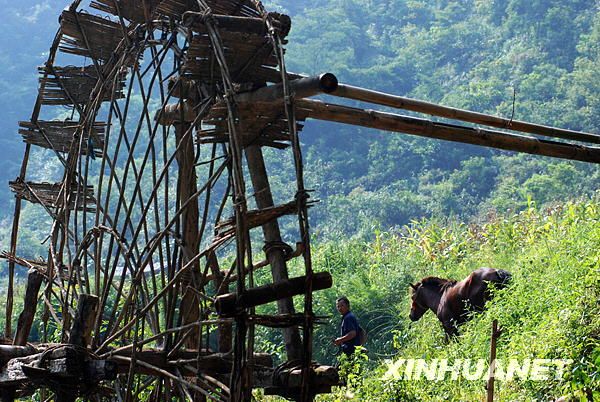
(148, 288)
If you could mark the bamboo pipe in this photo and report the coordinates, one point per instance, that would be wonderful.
(426, 128)
(272, 95)
(301, 88)
(380, 98)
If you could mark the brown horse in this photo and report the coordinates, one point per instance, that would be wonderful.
(451, 301)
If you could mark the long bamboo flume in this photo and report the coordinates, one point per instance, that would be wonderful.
(532, 144)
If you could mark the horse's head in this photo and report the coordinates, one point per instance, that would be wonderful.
(418, 308)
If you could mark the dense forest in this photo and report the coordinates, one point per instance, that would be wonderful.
(395, 208)
(538, 57)
(527, 60)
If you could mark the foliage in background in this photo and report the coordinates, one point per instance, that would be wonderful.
(479, 55)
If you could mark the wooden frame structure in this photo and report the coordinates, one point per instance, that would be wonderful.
(173, 104)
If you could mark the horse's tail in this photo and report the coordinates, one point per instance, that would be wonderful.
(504, 278)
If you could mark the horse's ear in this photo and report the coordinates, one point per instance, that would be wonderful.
(413, 286)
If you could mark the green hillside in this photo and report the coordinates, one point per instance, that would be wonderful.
(550, 311)
(538, 58)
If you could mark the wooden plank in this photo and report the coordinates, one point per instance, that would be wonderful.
(176, 8)
(74, 85)
(89, 35)
(58, 135)
(47, 194)
(132, 10)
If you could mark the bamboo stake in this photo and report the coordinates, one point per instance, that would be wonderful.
(492, 370)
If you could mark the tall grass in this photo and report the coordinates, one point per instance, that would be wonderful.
(551, 310)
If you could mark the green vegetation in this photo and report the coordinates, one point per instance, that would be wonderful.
(550, 311)
(478, 55)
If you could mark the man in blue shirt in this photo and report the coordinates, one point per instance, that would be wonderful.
(349, 329)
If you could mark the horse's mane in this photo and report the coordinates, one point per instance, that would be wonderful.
(438, 283)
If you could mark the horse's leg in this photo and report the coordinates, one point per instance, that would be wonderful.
(451, 331)
(450, 326)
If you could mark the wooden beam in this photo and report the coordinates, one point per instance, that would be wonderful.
(231, 23)
(66, 369)
(380, 98)
(230, 304)
(34, 282)
(83, 325)
(272, 235)
(467, 135)
(287, 382)
(8, 352)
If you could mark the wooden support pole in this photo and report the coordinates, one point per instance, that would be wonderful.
(83, 325)
(225, 330)
(231, 303)
(272, 235)
(380, 98)
(467, 135)
(34, 282)
(492, 369)
(186, 187)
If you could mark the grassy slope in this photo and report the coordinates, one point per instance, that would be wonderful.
(551, 310)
